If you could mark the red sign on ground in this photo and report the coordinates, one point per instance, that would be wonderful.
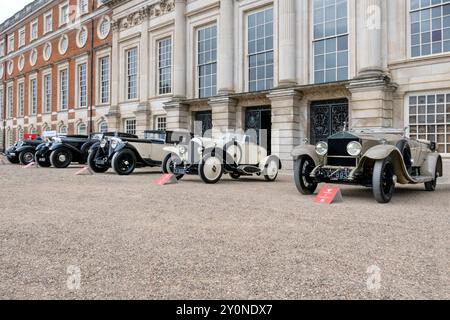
(167, 178)
(328, 195)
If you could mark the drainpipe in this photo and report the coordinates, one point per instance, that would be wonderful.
(3, 111)
(91, 69)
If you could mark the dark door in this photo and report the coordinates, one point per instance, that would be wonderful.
(203, 121)
(260, 119)
(328, 118)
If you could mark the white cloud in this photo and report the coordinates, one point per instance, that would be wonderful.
(9, 7)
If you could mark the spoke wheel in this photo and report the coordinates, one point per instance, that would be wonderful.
(26, 157)
(303, 167)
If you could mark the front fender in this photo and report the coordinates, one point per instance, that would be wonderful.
(433, 163)
(25, 148)
(263, 165)
(381, 152)
(173, 150)
(307, 150)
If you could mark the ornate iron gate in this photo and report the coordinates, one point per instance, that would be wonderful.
(205, 118)
(327, 118)
(260, 119)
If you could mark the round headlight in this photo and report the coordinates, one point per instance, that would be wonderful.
(322, 148)
(354, 148)
(114, 143)
(103, 143)
(182, 150)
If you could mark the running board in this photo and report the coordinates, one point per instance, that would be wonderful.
(422, 179)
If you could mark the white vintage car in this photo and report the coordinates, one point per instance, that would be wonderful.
(211, 158)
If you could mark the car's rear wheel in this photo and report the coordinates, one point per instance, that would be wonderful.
(272, 170)
(302, 175)
(26, 157)
(13, 160)
(169, 163)
(93, 165)
(61, 158)
(383, 180)
(211, 169)
(124, 162)
(431, 186)
(42, 163)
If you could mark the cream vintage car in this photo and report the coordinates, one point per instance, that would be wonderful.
(378, 159)
(210, 158)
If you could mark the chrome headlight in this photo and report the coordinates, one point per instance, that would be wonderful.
(182, 150)
(354, 148)
(103, 143)
(57, 140)
(114, 143)
(322, 148)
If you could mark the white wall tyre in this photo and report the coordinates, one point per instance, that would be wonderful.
(272, 170)
(211, 169)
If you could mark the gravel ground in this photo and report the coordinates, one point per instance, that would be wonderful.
(243, 239)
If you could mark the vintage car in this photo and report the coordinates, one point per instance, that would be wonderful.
(210, 158)
(22, 151)
(126, 153)
(378, 159)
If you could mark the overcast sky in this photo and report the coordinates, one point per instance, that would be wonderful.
(9, 7)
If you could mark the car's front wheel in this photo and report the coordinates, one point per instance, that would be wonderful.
(169, 163)
(303, 167)
(42, 161)
(383, 180)
(211, 169)
(26, 157)
(431, 185)
(124, 162)
(61, 158)
(272, 170)
(13, 160)
(93, 165)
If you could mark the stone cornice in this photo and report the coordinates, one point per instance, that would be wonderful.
(137, 17)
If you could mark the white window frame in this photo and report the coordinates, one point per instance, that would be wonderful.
(101, 124)
(1, 103)
(2, 48)
(32, 101)
(46, 17)
(446, 125)
(11, 44)
(129, 123)
(61, 68)
(162, 119)
(158, 65)
(128, 75)
(197, 66)
(34, 24)
(61, 7)
(79, 62)
(45, 101)
(9, 100)
(22, 37)
(100, 81)
(61, 127)
(79, 127)
(79, 7)
(20, 98)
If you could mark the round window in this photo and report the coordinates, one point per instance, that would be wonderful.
(10, 67)
(47, 51)
(21, 63)
(104, 27)
(82, 37)
(63, 44)
(33, 57)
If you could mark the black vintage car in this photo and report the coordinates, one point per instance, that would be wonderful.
(60, 152)
(22, 151)
(125, 154)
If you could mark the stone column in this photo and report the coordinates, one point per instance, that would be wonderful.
(113, 115)
(226, 47)
(180, 50)
(287, 33)
(285, 124)
(177, 115)
(223, 114)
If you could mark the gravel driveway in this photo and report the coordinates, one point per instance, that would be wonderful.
(106, 236)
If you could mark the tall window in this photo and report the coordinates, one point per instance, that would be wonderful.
(207, 61)
(11, 43)
(82, 85)
(64, 14)
(34, 30)
(430, 27)
(22, 37)
(131, 73)
(82, 129)
(2, 48)
(429, 119)
(330, 40)
(82, 6)
(47, 93)
(63, 89)
(9, 102)
(104, 79)
(130, 126)
(1, 103)
(103, 127)
(20, 99)
(63, 129)
(161, 123)
(260, 50)
(33, 96)
(165, 65)
(48, 22)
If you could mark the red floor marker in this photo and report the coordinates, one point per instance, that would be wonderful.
(166, 179)
(329, 195)
(85, 170)
(31, 164)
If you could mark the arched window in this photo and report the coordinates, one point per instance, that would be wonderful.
(9, 138)
(63, 129)
(20, 133)
(103, 127)
(82, 128)
(45, 128)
